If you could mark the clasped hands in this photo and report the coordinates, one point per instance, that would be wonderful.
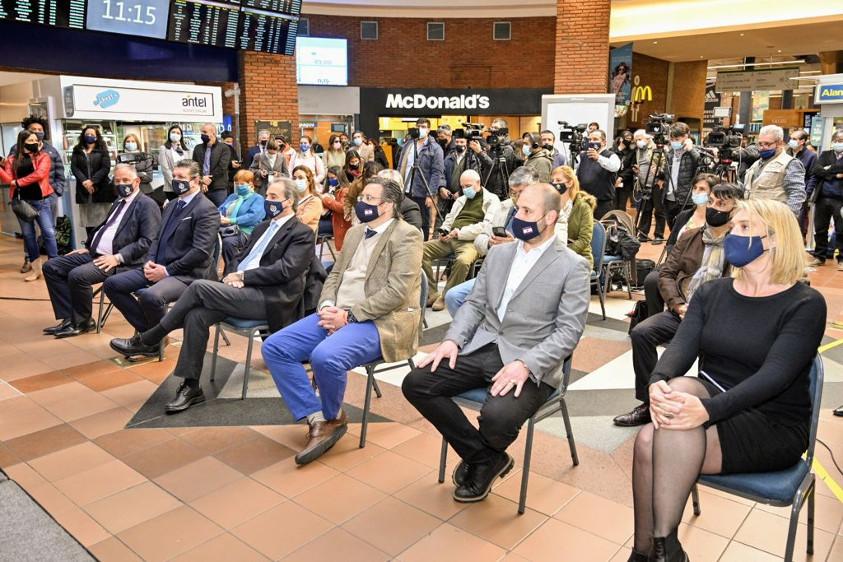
(510, 376)
(332, 318)
(154, 272)
(674, 409)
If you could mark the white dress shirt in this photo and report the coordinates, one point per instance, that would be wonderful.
(254, 261)
(105, 246)
(521, 266)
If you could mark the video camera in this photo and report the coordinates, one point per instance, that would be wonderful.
(497, 138)
(727, 140)
(658, 127)
(573, 135)
(470, 132)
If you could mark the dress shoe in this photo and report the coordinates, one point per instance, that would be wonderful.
(76, 329)
(839, 412)
(439, 304)
(185, 398)
(816, 262)
(27, 266)
(432, 298)
(638, 416)
(51, 331)
(133, 346)
(667, 549)
(637, 557)
(480, 477)
(460, 473)
(657, 241)
(321, 436)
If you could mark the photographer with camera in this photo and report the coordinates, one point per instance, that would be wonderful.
(597, 172)
(649, 192)
(465, 154)
(777, 175)
(624, 185)
(539, 158)
(500, 160)
(423, 168)
(679, 172)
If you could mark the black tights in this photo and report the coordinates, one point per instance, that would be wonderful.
(665, 466)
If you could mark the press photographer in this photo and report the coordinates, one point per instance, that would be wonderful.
(598, 171)
(465, 154)
(680, 167)
(499, 161)
(538, 157)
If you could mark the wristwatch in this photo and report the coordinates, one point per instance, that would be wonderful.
(350, 318)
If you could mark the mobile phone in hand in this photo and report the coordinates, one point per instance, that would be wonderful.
(499, 231)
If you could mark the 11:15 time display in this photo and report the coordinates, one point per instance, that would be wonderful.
(137, 13)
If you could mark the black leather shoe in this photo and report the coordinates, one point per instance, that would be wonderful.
(133, 346)
(667, 549)
(839, 412)
(185, 398)
(51, 331)
(480, 477)
(638, 416)
(460, 473)
(637, 557)
(76, 329)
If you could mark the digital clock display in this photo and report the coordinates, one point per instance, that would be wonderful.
(147, 18)
(57, 13)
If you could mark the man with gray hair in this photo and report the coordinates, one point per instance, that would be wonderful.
(267, 285)
(522, 321)
(776, 175)
(469, 217)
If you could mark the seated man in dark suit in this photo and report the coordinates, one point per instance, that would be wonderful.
(119, 243)
(268, 284)
(181, 255)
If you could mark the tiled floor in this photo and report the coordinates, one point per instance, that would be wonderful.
(234, 493)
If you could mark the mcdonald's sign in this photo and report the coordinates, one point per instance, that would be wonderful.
(642, 94)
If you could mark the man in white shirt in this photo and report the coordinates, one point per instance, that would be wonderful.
(597, 171)
(523, 318)
(120, 242)
(268, 285)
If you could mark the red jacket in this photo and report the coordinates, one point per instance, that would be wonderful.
(41, 175)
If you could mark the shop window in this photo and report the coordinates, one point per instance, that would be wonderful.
(502, 31)
(369, 30)
(304, 27)
(436, 31)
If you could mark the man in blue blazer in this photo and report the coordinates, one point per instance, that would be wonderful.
(180, 255)
(118, 244)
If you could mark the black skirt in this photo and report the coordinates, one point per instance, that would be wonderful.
(751, 441)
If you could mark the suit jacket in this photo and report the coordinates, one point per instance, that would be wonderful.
(261, 162)
(545, 316)
(283, 267)
(392, 286)
(220, 159)
(186, 251)
(137, 231)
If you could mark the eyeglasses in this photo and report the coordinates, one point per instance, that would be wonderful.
(368, 198)
(766, 144)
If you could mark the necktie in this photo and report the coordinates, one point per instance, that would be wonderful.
(259, 248)
(113, 217)
(370, 233)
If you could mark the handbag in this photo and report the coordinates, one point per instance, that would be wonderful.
(229, 230)
(23, 210)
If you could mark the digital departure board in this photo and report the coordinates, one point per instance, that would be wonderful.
(58, 13)
(266, 32)
(204, 22)
(287, 7)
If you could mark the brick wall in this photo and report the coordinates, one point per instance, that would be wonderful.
(402, 55)
(268, 92)
(582, 46)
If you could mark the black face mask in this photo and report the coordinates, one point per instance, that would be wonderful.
(459, 148)
(180, 187)
(560, 187)
(124, 189)
(263, 143)
(716, 218)
(31, 147)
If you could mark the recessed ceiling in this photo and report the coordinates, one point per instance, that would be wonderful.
(9, 78)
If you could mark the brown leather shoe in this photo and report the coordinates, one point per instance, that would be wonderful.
(321, 437)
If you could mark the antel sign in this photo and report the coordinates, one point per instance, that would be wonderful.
(461, 102)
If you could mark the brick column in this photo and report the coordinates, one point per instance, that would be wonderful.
(582, 47)
(268, 92)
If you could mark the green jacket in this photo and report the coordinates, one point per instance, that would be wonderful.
(581, 225)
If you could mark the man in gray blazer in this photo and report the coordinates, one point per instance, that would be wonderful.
(523, 318)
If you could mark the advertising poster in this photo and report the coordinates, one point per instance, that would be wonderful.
(620, 73)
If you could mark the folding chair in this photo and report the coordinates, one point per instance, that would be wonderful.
(598, 248)
(246, 328)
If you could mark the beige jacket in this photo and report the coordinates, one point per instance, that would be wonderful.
(392, 287)
(491, 207)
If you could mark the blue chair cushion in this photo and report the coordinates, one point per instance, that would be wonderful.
(777, 486)
(241, 324)
(611, 259)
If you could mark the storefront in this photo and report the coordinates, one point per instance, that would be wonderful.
(327, 110)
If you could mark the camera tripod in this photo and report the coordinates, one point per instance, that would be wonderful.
(434, 197)
(499, 166)
(645, 192)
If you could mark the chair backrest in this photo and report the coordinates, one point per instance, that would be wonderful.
(216, 251)
(598, 245)
(423, 291)
(816, 389)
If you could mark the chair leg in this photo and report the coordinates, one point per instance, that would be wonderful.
(225, 338)
(525, 470)
(443, 459)
(370, 379)
(376, 386)
(811, 496)
(629, 279)
(695, 499)
(563, 407)
(161, 347)
(601, 297)
(99, 314)
(791, 531)
(216, 352)
(248, 365)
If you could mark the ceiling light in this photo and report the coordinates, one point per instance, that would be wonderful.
(655, 42)
(742, 34)
(779, 51)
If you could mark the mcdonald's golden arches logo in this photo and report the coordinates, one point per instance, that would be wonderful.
(641, 93)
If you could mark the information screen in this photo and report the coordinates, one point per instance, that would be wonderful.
(321, 61)
(266, 32)
(58, 13)
(147, 18)
(288, 7)
(204, 22)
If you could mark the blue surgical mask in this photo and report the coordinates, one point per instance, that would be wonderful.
(333, 182)
(423, 132)
(358, 141)
(131, 146)
(469, 192)
(304, 147)
(527, 150)
(243, 190)
(525, 230)
(837, 147)
(743, 250)
(767, 153)
(301, 185)
(676, 145)
(273, 208)
(700, 199)
(793, 143)
(366, 212)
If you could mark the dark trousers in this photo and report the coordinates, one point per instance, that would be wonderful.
(500, 418)
(217, 196)
(825, 210)
(69, 281)
(649, 207)
(202, 305)
(603, 207)
(147, 309)
(646, 336)
(231, 246)
(622, 196)
(655, 302)
(425, 213)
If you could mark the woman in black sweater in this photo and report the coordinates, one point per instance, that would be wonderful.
(750, 409)
(91, 164)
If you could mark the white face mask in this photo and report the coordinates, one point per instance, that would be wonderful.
(301, 185)
(641, 144)
(793, 143)
(423, 133)
(175, 137)
(131, 146)
(837, 147)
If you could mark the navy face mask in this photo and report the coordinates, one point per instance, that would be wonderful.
(743, 250)
(366, 212)
(525, 230)
(181, 186)
(273, 208)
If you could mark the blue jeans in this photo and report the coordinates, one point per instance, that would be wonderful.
(457, 295)
(48, 231)
(331, 357)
